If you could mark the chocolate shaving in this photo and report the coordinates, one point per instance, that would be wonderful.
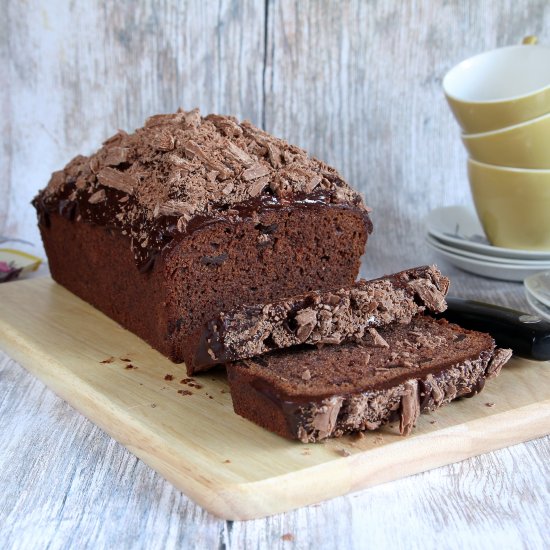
(312, 183)
(56, 183)
(163, 141)
(377, 340)
(98, 196)
(227, 125)
(258, 186)
(238, 154)
(410, 407)
(157, 120)
(500, 358)
(116, 156)
(174, 208)
(256, 171)
(192, 118)
(274, 154)
(117, 180)
(306, 320)
(192, 149)
(429, 294)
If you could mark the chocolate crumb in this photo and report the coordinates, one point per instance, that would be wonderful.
(169, 377)
(288, 537)
(153, 405)
(185, 392)
(108, 360)
(130, 366)
(489, 404)
(125, 359)
(227, 461)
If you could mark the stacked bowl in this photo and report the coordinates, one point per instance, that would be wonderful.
(501, 100)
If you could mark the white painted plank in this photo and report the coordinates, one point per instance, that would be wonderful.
(78, 71)
(359, 85)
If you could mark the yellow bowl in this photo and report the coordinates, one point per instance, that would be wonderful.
(499, 88)
(513, 205)
(525, 145)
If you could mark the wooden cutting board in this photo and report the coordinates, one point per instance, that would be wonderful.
(189, 434)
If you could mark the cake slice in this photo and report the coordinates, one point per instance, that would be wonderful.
(397, 372)
(317, 317)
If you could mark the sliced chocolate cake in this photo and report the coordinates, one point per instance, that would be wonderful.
(394, 374)
(163, 228)
(329, 317)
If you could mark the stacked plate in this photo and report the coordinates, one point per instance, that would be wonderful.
(454, 233)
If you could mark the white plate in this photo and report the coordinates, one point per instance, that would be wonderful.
(493, 270)
(538, 286)
(538, 264)
(458, 226)
(539, 307)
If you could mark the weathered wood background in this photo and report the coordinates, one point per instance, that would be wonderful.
(358, 83)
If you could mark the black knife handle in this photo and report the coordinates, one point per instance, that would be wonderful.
(528, 335)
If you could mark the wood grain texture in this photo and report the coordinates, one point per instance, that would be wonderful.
(99, 495)
(119, 382)
(75, 72)
(67, 484)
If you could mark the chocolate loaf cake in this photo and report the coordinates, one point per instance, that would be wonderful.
(317, 317)
(396, 373)
(188, 216)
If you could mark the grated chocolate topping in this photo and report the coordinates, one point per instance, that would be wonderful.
(331, 317)
(154, 183)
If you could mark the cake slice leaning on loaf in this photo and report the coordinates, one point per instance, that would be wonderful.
(312, 394)
(329, 317)
(188, 216)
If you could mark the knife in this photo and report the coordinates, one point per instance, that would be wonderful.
(528, 335)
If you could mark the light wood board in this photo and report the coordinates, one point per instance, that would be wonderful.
(226, 464)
